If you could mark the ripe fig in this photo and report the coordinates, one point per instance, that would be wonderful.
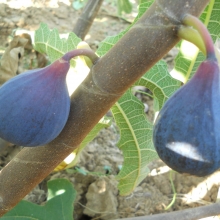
(187, 130)
(35, 105)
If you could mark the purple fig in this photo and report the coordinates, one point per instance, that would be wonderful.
(187, 130)
(35, 105)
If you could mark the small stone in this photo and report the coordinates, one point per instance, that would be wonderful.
(21, 22)
(2, 10)
(140, 213)
(15, 19)
(146, 107)
(101, 198)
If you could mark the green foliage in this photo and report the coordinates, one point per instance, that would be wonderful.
(136, 130)
(49, 42)
(135, 141)
(59, 205)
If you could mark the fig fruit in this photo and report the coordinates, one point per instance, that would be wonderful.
(187, 130)
(35, 105)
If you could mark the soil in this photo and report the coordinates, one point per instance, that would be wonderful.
(155, 192)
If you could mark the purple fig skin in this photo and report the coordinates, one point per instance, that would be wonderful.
(186, 133)
(35, 105)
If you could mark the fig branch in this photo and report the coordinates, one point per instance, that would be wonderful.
(85, 20)
(143, 45)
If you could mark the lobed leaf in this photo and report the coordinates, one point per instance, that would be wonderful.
(135, 141)
(49, 42)
(158, 80)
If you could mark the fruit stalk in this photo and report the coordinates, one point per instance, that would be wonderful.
(193, 21)
(193, 36)
(81, 52)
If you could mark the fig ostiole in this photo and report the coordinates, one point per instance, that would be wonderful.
(35, 105)
(186, 132)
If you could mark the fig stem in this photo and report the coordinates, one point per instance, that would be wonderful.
(193, 36)
(193, 21)
(81, 52)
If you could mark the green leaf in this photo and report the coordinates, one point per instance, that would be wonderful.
(49, 42)
(135, 142)
(189, 57)
(59, 205)
(136, 130)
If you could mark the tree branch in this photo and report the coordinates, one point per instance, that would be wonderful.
(85, 20)
(143, 45)
(187, 214)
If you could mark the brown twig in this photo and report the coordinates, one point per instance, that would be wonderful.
(187, 214)
(85, 20)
